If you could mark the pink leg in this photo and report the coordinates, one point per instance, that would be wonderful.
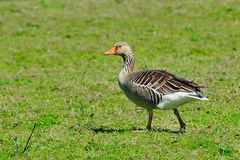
(182, 124)
(150, 117)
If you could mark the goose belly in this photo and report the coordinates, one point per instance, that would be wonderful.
(135, 98)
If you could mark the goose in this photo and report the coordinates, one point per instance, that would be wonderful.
(154, 89)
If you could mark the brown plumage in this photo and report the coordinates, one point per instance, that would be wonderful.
(154, 89)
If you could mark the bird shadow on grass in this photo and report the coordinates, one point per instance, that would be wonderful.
(110, 130)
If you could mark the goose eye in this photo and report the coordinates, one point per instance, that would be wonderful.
(119, 46)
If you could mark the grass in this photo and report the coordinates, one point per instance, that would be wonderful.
(53, 73)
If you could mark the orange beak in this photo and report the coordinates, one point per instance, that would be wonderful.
(111, 51)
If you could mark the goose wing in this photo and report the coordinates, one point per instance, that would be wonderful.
(153, 84)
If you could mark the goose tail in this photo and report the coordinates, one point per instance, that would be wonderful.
(198, 96)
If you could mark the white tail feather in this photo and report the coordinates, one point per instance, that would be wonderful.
(198, 98)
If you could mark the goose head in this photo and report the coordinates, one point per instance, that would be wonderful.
(121, 49)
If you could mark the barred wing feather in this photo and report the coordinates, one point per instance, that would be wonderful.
(154, 84)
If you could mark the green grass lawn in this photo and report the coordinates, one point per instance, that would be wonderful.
(53, 73)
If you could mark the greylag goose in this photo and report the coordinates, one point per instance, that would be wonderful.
(154, 89)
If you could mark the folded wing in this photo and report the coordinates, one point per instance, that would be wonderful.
(154, 84)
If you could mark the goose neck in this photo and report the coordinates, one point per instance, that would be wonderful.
(128, 63)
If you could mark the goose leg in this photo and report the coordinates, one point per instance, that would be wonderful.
(150, 117)
(182, 124)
